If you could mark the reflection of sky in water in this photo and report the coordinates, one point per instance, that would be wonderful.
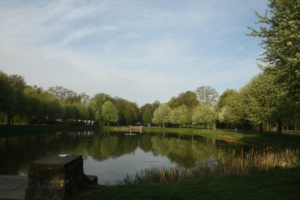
(113, 170)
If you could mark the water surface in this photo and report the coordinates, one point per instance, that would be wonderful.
(110, 156)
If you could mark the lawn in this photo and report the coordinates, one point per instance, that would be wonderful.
(281, 183)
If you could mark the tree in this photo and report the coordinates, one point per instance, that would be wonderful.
(179, 115)
(146, 111)
(53, 107)
(231, 108)
(207, 95)
(161, 115)
(224, 98)
(32, 103)
(147, 116)
(18, 84)
(109, 112)
(264, 101)
(8, 99)
(280, 40)
(131, 112)
(99, 100)
(185, 98)
(91, 109)
(203, 114)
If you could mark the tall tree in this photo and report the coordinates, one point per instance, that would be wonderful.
(32, 103)
(19, 85)
(280, 40)
(109, 112)
(162, 115)
(203, 114)
(185, 98)
(146, 111)
(8, 99)
(224, 98)
(131, 112)
(179, 115)
(99, 100)
(147, 116)
(207, 95)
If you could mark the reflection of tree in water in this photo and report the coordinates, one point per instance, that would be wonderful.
(127, 144)
(108, 146)
(16, 152)
(112, 145)
(146, 143)
(184, 152)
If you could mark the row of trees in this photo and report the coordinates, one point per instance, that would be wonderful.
(260, 104)
(20, 103)
(270, 98)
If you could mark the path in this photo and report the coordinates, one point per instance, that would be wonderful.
(13, 187)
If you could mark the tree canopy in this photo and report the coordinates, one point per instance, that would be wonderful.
(109, 112)
(279, 31)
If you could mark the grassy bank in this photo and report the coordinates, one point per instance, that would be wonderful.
(281, 183)
(265, 139)
(230, 136)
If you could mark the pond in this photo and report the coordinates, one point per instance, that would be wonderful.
(112, 156)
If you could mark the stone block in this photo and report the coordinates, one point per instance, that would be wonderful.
(48, 178)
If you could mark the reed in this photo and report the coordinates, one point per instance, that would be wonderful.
(250, 162)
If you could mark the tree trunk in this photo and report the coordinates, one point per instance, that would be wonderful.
(295, 125)
(8, 118)
(28, 118)
(20, 120)
(12, 119)
(278, 126)
(261, 127)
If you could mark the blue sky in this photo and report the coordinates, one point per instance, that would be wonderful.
(138, 50)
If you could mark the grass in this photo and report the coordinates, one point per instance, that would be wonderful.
(280, 183)
(246, 163)
(254, 138)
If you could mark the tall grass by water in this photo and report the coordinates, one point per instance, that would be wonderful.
(234, 163)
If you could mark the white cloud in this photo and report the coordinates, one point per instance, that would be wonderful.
(139, 50)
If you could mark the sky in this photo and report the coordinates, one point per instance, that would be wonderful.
(139, 50)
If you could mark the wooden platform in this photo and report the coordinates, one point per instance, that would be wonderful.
(136, 129)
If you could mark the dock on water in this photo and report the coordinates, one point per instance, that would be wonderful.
(136, 129)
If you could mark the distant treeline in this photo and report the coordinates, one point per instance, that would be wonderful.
(259, 105)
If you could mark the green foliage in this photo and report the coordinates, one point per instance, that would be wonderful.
(189, 99)
(179, 115)
(8, 97)
(32, 103)
(280, 40)
(162, 115)
(264, 100)
(224, 99)
(109, 112)
(131, 112)
(147, 116)
(203, 114)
